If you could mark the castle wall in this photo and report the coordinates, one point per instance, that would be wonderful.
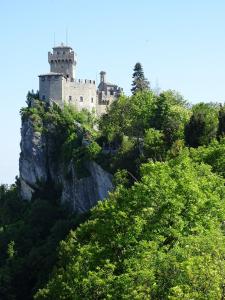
(104, 100)
(101, 109)
(50, 87)
(81, 93)
(63, 67)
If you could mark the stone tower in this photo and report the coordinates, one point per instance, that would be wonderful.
(103, 76)
(62, 61)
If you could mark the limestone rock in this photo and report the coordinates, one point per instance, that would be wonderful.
(33, 158)
(85, 192)
(38, 167)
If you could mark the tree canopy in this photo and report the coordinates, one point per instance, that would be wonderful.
(152, 241)
(203, 125)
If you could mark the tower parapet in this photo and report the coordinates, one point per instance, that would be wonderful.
(84, 81)
(62, 60)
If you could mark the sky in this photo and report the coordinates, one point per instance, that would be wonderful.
(180, 44)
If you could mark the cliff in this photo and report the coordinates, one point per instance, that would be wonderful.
(77, 180)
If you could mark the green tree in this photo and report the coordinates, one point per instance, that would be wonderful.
(203, 125)
(154, 144)
(140, 83)
(128, 116)
(213, 155)
(221, 126)
(152, 241)
(171, 114)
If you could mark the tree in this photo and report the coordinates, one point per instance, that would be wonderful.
(213, 155)
(221, 126)
(152, 241)
(171, 114)
(203, 125)
(140, 83)
(154, 147)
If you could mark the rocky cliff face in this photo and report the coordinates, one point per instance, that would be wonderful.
(39, 166)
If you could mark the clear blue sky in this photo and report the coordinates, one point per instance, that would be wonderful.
(181, 44)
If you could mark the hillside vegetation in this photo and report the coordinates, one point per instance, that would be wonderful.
(160, 233)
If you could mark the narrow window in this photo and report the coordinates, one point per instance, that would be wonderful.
(92, 99)
(81, 99)
(70, 98)
(43, 97)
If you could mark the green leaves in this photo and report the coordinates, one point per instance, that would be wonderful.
(203, 125)
(152, 241)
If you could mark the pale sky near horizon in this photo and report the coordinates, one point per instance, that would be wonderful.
(181, 45)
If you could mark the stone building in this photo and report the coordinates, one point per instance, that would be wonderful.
(61, 86)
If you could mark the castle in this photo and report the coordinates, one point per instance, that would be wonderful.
(61, 86)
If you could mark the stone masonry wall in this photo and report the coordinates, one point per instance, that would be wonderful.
(82, 94)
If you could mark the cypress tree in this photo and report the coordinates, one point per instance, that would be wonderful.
(140, 83)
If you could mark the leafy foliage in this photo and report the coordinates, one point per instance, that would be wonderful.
(221, 126)
(67, 128)
(147, 123)
(29, 236)
(203, 125)
(153, 241)
(213, 155)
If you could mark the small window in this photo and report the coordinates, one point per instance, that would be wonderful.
(43, 97)
(43, 78)
(70, 98)
(92, 99)
(81, 99)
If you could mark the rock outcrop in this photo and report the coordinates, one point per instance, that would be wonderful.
(39, 166)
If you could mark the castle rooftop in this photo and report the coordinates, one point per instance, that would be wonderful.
(62, 46)
(52, 74)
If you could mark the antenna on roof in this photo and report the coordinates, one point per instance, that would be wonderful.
(157, 88)
(66, 36)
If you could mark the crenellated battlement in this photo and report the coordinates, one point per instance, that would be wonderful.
(62, 60)
(60, 57)
(84, 81)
